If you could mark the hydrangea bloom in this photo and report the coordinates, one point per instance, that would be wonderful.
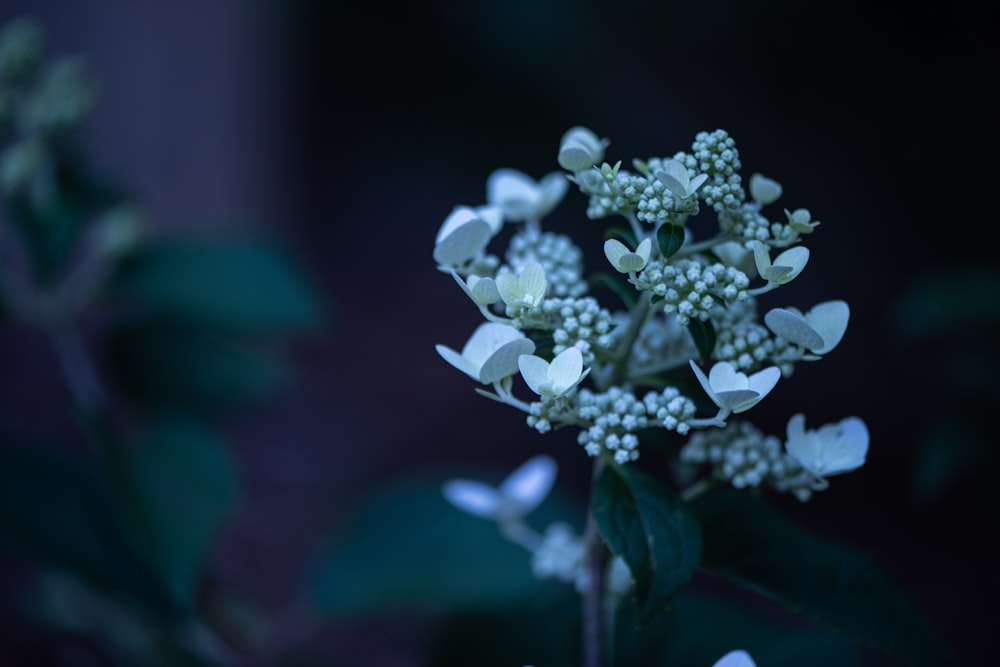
(550, 380)
(521, 197)
(517, 495)
(524, 290)
(830, 450)
(625, 260)
(785, 267)
(819, 330)
(464, 234)
(732, 391)
(676, 178)
(491, 352)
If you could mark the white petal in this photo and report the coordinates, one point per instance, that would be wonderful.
(514, 191)
(848, 451)
(535, 372)
(705, 384)
(724, 377)
(458, 217)
(492, 215)
(458, 361)
(764, 190)
(528, 485)
(566, 368)
(486, 339)
(483, 290)
(674, 177)
(763, 381)
(794, 328)
(552, 189)
(532, 280)
(645, 248)
(829, 319)
(473, 497)
(503, 362)
(796, 426)
(614, 250)
(630, 262)
(794, 257)
(463, 243)
(761, 257)
(509, 287)
(738, 400)
(735, 659)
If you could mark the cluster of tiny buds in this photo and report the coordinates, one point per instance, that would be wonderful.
(558, 255)
(580, 323)
(689, 288)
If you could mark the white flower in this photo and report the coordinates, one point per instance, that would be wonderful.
(801, 220)
(555, 379)
(733, 391)
(737, 658)
(521, 197)
(675, 177)
(786, 266)
(580, 149)
(518, 494)
(481, 289)
(763, 190)
(623, 259)
(464, 234)
(491, 352)
(524, 290)
(819, 330)
(830, 450)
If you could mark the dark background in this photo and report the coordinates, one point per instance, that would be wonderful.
(351, 132)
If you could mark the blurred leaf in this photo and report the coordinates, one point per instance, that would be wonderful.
(702, 627)
(183, 485)
(619, 288)
(670, 238)
(59, 512)
(834, 585)
(953, 300)
(407, 548)
(237, 284)
(623, 234)
(703, 334)
(952, 451)
(645, 524)
(167, 364)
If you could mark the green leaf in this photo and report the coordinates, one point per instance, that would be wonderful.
(167, 364)
(58, 511)
(670, 238)
(832, 584)
(408, 549)
(182, 485)
(651, 529)
(623, 234)
(703, 334)
(237, 284)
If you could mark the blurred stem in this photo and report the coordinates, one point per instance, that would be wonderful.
(595, 632)
(81, 376)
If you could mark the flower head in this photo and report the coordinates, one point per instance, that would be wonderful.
(522, 197)
(677, 179)
(517, 495)
(524, 290)
(733, 391)
(555, 379)
(625, 260)
(786, 266)
(830, 450)
(491, 352)
(819, 330)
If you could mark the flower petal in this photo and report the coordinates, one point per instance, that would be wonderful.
(473, 497)
(763, 381)
(724, 377)
(463, 243)
(458, 361)
(705, 384)
(794, 328)
(566, 368)
(503, 362)
(829, 319)
(530, 483)
(535, 372)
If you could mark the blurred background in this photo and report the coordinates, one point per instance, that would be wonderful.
(348, 131)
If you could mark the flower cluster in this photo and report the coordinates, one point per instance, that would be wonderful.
(688, 314)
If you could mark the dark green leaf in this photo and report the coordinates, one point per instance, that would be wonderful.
(180, 485)
(651, 529)
(240, 285)
(164, 364)
(670, 238)
(703, 334)
(623, 234)
(408, 549)
(58, 511)
(832, 584)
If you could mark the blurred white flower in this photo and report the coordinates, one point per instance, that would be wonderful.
(737, 658)
(829, 450)
(524, 290)
(555, 379)
(522, 197)
(517, 495)
(490, 354)
(464, 234)
(580, 149)
(801, 220)
(625, 260)
(676, 178)
(819, 330)
(763, 190)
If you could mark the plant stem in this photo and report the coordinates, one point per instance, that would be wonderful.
(595, 648)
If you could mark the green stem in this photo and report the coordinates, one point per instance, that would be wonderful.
(595, 644)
